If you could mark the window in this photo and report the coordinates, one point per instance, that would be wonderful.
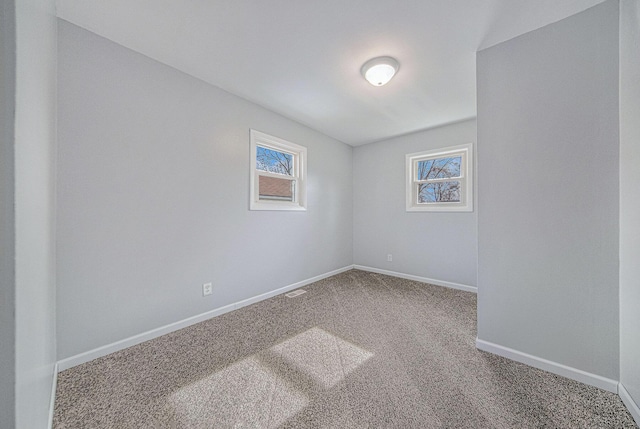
(278, 172)
(440, 180)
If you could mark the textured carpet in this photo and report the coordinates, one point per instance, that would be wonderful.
(358, 350)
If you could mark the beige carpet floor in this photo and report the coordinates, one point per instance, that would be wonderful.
(358, 350)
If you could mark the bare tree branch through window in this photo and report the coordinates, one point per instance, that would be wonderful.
(274, 161)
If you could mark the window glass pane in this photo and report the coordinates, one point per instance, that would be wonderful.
(275, 189)
(439, 168)
(273, 161)
(439, 192)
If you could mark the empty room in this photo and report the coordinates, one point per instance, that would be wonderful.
(336, 214)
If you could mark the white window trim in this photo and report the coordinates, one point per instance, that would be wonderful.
(299, 154)
(466, 180)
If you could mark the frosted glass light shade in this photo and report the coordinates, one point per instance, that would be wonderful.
(379, 71)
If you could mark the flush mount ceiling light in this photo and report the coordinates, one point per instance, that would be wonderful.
(379, 71)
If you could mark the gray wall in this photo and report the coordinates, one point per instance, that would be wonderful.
(7, 218)
(548, 192)
(440, 246)
(35, 136)
(153, 183)
(630, 197)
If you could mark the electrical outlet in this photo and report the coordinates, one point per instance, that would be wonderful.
(389, 257)
(207, 289)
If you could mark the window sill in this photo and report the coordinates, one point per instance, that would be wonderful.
(281, 207)
(461, 209)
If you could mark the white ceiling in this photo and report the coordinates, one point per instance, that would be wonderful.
(302, 58)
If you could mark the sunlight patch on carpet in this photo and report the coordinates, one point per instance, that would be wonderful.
(245, 394)
(322, 356)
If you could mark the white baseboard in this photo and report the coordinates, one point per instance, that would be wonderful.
(264, 296)
(52, 400)
(632, 406)
(550, 366)
(154, 333)
(418, 278)
(140, 338)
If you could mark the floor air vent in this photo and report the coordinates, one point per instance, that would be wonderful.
(295, 293)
